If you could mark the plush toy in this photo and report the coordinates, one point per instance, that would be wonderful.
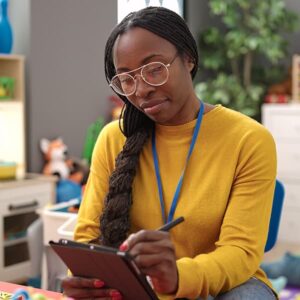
(279, 283)
(79, 171)
(55, 154)
(57, 162)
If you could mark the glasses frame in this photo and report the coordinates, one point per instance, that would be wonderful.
(141, 75)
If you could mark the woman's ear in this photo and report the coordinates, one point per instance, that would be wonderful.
(188, 62)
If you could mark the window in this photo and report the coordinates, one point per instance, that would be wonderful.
(127, 6)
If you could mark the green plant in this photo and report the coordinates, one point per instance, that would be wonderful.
(251, 36)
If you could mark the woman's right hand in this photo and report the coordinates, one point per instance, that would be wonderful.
(88, 288)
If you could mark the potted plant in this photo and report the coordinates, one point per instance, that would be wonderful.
(241, 59)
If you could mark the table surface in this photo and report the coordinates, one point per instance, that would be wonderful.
(11, 287)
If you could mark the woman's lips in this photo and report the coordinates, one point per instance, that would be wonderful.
(152, 107)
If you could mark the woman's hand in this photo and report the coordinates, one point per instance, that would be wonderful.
(88, 288)
(154, 254)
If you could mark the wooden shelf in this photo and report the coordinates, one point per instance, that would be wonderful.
(15, 241)
(13, 66)
(12, 114)
(10, 100)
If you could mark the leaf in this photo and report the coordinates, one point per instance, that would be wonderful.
(252, 26)
(244, 4)
(211, 36)
(218, 6)
(252, 42)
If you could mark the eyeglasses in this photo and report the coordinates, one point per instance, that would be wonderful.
(154, 73)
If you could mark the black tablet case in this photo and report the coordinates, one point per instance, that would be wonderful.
(114, 267)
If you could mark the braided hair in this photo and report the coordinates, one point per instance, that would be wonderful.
(136, 126)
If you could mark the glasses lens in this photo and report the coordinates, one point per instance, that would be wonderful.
(155, 73)
(123, 84)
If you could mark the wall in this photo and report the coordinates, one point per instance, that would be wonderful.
(19, 13)
(293, 39)
(67, 84)
(63, 41)
(197, 16)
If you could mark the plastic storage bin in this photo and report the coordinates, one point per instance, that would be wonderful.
(56, 216)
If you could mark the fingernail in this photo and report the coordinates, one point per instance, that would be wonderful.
(124, 247)
(98, 283)
(117, 298)
(115, 294)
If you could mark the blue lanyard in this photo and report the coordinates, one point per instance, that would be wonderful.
(157, 172)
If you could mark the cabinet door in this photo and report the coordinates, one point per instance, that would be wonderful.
(289, 225)
(288, 162)
(12, 136)
(19, 200)
(284, 125)
(283, 120)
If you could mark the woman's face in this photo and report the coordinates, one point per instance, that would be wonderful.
(172, 103)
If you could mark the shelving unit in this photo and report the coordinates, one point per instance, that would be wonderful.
(19, 201)
(12, 114)
(20, 198)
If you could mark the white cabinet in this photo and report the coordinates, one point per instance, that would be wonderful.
(283, 121)
(11, 134)
(12, 114)
(19, 200)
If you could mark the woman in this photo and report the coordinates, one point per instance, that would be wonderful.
(173, 155)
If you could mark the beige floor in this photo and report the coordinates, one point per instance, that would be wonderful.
(279, 249)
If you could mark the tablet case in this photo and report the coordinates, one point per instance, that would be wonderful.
(115, 268)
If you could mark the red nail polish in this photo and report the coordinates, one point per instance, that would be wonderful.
(98, 283)
(115, 294)
(124, 247)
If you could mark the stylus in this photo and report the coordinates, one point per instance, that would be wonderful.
(171, 224)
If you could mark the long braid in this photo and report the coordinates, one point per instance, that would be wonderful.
(136, 126)
(114, 222)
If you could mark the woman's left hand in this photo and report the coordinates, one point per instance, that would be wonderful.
(154, 254)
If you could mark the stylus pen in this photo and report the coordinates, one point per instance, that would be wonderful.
(171, 224)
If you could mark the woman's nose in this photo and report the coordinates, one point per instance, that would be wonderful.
(142, 87)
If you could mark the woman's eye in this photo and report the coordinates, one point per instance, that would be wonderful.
(155, 70)
(158, 69)
(125, 80)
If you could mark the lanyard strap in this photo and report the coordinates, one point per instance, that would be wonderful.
(157, 172)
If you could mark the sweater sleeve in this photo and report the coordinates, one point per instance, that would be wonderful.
(240, 247)
(106, 148)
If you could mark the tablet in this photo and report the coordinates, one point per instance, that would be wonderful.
(115, 268)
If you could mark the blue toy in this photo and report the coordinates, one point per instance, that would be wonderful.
(279, 283)
(67, 190)
(287, 266)
(21, 294)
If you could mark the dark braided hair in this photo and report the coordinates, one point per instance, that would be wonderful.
(136, 126)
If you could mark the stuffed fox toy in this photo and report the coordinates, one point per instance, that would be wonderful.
(58, 163)
(55, 154)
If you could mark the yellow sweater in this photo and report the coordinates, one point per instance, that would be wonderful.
(226, 197)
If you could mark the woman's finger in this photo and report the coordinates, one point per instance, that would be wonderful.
(80, 282)
(89, 293)
(107, 298)
(147, 237)
(149, 260)
(162, 246)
